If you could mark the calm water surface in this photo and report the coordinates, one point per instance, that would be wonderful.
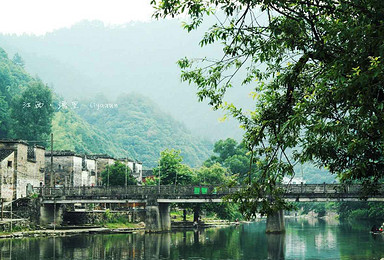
(304, 239)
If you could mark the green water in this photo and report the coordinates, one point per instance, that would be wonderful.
(304, 239)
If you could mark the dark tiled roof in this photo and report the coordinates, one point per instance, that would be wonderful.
(125, 159)
(4, 153)
(62, 153)
(100, 156)
(12, 141)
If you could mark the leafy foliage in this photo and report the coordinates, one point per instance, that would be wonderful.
(216, 174)
(231, 155)
(171, 170)
(360, 210)
(320, 208)
(71, 132)
(114, 175)
(18, 60)
(25, 111)
(212, 175)
(312, 174)
(4, 117)
(32, 113)
(321, 91)
(153, 181)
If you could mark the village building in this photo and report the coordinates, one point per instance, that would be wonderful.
(102, 161)
(88, 174)
(148, 175)
(66, 168)
(21, 167)
(137, 171)
(136, 168)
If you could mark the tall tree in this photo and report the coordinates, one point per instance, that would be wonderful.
(4, 118)
(31, 113)
(18, 60)
(115, 175)
(171, 170)
(212, 175)
(231, 155)
(322, 89)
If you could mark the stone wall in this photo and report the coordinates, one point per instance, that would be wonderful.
(28, 167)
(17, 224)
(136, 169)
(77, 169)
(20, 169)
(33, 174)
(67, 167)
(92, 169)
(40, 165)
(98, 217)
(88, 174)
(7, 171)
(27, 208)
(138, 173)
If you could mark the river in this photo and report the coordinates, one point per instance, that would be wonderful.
(304, 239)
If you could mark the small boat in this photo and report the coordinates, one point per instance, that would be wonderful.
(376, 231)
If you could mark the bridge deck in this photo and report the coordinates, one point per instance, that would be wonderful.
(195, 194)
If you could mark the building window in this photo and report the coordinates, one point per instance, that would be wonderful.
(10, 164)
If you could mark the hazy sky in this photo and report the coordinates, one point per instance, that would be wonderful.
(41, 16)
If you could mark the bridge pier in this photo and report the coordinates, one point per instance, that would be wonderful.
(196, 213)
(157, 217)
(51, 214)
(275, 222)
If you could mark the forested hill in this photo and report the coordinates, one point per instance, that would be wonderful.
(138, 125)
(71, 132)
(91, 57)
(135, 128)
(16, 111)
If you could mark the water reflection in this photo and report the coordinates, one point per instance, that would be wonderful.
(276, 246)
(304, 239)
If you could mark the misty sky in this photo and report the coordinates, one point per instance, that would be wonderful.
(41, 16)
(94, 56)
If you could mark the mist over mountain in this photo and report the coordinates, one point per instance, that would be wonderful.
(90, 57)
(130, 126)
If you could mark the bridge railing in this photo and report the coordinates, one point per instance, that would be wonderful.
(134, 191)
(352, 189)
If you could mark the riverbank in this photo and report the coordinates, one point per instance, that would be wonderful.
(69, 232)
(134, 227)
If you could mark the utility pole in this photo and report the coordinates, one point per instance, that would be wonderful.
(108, 174)
(159, 174)
(52, 175)
(126, 173)
(11, 215)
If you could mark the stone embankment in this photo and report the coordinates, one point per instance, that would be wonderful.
(69, 232)
(76, 230)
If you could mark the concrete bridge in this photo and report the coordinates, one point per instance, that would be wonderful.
(157, 199)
